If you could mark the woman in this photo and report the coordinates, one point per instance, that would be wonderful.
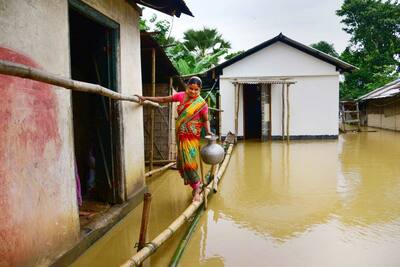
(192, 116)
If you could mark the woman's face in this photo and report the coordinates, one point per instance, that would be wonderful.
(193, 90)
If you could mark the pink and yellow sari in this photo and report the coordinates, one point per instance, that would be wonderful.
(188, 132)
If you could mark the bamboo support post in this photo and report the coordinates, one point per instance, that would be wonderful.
(22, 71)
(203, 181)
(152, 246)
(153, 93)
(159, 169)
(145, 220)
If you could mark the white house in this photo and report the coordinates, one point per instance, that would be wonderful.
(280, 87)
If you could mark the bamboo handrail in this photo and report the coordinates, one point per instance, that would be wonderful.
(159, 169)
(151, 247)
(22, 71)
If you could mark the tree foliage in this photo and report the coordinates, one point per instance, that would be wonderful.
(325, 47)
(374, 46)
(198, 51)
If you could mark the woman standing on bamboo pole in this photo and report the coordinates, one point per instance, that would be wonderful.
(192, 116)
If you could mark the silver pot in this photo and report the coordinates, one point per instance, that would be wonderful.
(212, 153)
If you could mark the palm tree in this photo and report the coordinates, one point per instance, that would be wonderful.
(205, 42)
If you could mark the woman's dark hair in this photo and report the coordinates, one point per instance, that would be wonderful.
(195, 80)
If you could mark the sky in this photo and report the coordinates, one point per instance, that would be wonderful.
(246, 24)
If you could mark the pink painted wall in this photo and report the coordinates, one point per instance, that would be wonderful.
(37, 218)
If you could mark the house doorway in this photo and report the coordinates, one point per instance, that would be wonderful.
(252, 111)
(95, 118)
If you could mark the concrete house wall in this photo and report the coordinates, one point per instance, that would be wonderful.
(313, 99)
(39, 212)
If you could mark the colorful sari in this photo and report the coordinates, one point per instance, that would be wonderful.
(188, 132)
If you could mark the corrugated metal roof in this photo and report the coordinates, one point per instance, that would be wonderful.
(170, 7)
(388, 90)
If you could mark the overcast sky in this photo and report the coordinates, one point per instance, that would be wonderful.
(248, 23)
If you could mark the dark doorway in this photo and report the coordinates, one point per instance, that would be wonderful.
(252, 111)
(96, 130)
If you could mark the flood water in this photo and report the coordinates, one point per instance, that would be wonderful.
(309, 203)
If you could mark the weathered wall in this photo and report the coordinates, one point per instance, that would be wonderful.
(130, 83)
(39, 216)
(384, 114)
(313, 99)
(161, 125)
(38, 204)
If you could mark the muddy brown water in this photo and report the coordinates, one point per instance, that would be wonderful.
(310, 203)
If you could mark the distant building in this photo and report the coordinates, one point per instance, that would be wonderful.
(255, 99)
(381, 107)
(48, 133)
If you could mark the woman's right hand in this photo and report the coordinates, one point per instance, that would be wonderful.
(141, 99)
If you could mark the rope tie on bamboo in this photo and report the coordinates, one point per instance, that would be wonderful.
(151, 246)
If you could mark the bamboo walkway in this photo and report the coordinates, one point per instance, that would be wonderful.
(151, 247)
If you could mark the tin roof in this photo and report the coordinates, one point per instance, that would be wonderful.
(388, 90)
(170, 7)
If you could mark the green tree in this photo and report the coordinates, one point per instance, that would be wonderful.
(374, 46)
(325, 47)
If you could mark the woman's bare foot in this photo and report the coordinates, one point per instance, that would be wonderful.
(196, 194)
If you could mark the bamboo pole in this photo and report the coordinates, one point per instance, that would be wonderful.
(150, 173)
(203, 181)
(145, 220)
(22, 71)
(185, 240)
(161, 161)
(287, 113)
(153, 93)
(151, 247)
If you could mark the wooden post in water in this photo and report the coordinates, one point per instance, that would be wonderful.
(236, 110)
(283, 111)
(153, 93)
(287, 113)
(145, 220)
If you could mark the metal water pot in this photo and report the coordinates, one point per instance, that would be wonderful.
(212, 153)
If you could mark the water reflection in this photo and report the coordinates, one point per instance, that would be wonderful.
(310, 203)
